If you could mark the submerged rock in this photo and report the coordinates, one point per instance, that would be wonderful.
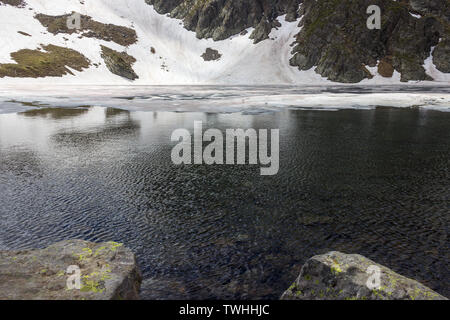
(108, 272)
(339, 276)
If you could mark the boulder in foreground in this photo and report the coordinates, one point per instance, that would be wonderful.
(108, 271)
(339, 276)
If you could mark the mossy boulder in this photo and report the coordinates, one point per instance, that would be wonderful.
(339, 276)
(108, 272)
(119, 63)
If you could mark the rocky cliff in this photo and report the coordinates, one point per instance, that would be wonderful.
(254, 42)
(220, 19)
(334, 38)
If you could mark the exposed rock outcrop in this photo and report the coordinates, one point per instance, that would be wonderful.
(108, 271)
(441, 56)
(339, 276)
(15, 3)
(89, 28)
(119, 63)
(261, 31)
(48, 61)
(220, 19)
(211, 55)
(336, 41)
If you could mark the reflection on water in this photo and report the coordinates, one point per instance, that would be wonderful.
(374, 182)
(55, 113)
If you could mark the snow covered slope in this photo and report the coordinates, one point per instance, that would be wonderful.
(177, 58)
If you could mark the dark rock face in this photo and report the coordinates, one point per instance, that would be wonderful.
(441, 56)
(336, 40)
(339, 276)
(261, 31)
(119, 63)
(435, 7)
(220, 19)
(211, 55)
(15, 3)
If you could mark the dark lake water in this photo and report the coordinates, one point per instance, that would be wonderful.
(373, 182)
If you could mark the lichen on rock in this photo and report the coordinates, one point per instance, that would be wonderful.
(108, 272)
(339, 276)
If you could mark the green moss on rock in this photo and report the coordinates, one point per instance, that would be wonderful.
(119, 63)
(108, 272)
(54, 61)
(90, 28)
(339, 276)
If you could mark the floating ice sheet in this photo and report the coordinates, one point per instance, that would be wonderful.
(228, 99)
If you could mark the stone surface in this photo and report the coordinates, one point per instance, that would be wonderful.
(385, 67)
(335, 38)
(211, 55)
(108, 271)
(119, 63)
(441, 56)
(89, 28)
(261, 31)
(339, 276)
(220, 19)
(15, 3)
